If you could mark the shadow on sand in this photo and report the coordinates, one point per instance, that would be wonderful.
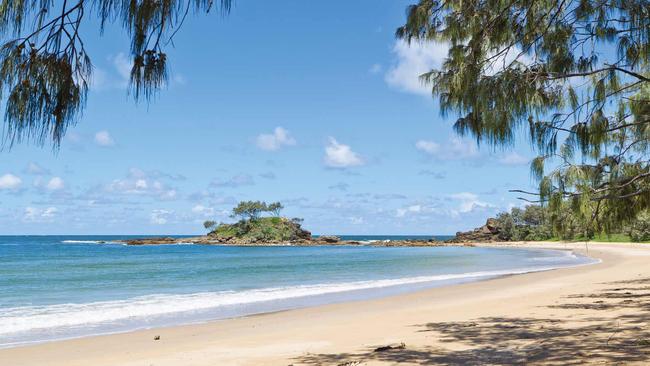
(611, 328)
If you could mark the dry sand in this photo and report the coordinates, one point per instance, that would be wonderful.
(591, 314)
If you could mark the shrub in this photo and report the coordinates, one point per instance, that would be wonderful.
(639, 230)
(209, 224)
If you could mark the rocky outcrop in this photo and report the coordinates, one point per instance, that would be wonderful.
(486, 233)
(151, 241)
(327, 239)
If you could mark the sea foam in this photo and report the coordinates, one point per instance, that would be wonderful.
(29, 318)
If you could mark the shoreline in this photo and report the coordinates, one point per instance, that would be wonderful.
(294, 332)
(334, 293)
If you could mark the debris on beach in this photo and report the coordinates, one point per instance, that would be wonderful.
(388, 348)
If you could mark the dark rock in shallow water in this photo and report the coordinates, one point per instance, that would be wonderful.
(328, 239)
(151, 241)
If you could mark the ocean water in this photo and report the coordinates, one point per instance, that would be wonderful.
(56, 287)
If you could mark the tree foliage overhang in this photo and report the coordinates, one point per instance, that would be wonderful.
(45, 70)
(572, 74)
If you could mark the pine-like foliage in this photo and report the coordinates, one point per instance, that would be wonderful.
(44, 67)
(573, 74)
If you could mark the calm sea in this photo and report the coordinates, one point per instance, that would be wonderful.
(55, 287)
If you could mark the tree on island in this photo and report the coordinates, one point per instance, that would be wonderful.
(275, 208)
(45, 69)
(210, 225)
(574, 74)
(253, 227)
(251, 210)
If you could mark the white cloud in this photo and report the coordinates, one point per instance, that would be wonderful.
(375, 69)
(160, 217)
(122, 65)
(356, 220)
(37, 214)
(507, 60)
(468, 202)
(401, 212)
(103, 138)
(418, 58)
(341, 156)
(454, 149)
(55, 184)
(30, 213)
(49, 212)
(35, 169)
(169, 194)
(276, 140)
(412, 61)
(238, 180)
(115, 76)
(140, 183)
(513, 159)
(428, 147)
(10, 181)
(203, 211)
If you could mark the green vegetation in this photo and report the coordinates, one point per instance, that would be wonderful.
(264, 229)
(209, 224)
(251, 210)
(639, 230)
(45, 69)
(573, 75)
(524, 224)
(253, 228)
(534, 223)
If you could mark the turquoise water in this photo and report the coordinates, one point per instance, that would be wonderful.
(57, 287)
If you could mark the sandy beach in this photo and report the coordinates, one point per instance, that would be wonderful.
(591, 314)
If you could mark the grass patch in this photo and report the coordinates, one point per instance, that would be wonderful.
(263, 229)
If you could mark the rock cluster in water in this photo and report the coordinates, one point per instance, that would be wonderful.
(319, 240)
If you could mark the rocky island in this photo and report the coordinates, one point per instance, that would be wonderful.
(255, 229)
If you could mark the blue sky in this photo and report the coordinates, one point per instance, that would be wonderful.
(314, 104)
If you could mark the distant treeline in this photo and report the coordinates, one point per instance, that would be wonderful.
(535, 222)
